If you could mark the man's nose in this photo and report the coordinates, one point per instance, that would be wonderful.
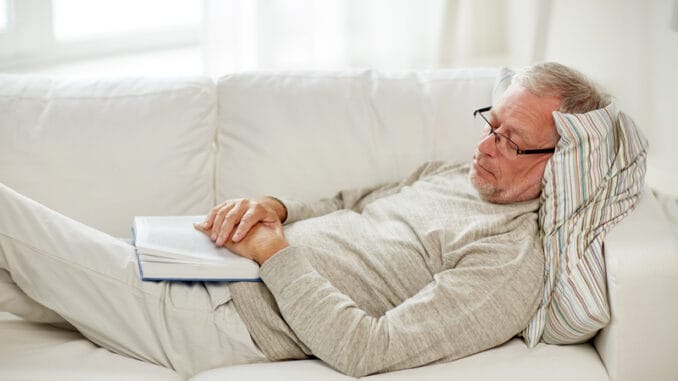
(487, 145)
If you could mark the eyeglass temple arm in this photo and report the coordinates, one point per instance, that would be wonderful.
(541, 150)
(484, 109)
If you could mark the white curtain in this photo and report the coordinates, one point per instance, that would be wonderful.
(383, 34)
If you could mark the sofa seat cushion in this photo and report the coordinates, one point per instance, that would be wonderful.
(511, 361)
(37, 351)
(32, 351)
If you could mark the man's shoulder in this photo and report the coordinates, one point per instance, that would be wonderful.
(438, 167)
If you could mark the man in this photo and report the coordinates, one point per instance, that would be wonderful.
(441, 265)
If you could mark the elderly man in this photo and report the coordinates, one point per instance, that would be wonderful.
(441, 265)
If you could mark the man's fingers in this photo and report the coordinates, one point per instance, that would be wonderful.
(209, 220)
(220, 219)
(199, 227)
(231, 219)
(249, 219)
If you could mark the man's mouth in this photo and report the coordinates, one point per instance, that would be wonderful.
(478, 166)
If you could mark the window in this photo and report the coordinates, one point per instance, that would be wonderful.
(4, 15)
(48, 32)
(88, 19)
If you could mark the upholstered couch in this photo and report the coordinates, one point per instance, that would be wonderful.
(104, 150)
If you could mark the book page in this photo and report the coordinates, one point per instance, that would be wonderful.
(175, 238)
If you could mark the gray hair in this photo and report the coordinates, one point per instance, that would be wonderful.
(578, 93)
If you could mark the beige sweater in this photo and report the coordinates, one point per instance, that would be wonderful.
(399, 276)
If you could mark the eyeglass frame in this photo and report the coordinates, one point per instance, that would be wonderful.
(493, 131)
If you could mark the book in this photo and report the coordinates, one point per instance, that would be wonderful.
(171, 248)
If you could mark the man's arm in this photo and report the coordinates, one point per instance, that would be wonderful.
(354, 199)
(232, 219)
(463, 311)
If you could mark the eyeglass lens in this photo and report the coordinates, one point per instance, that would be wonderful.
(504, 146)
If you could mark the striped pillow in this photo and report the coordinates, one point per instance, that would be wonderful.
(592, 181)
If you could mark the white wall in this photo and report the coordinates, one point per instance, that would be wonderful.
(630, 49)
(663, 96)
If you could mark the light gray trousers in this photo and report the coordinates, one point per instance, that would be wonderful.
(56, 270)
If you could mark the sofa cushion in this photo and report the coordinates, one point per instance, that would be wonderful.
(511, 361)
(306, 135)
(31, 351)
(102, 151)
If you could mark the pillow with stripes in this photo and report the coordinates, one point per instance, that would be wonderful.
(591, 182)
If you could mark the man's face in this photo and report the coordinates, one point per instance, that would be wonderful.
(527, 120)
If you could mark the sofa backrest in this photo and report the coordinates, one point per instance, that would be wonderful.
(102, 151)
(307, 135)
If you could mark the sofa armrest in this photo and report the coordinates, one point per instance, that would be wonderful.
(641, 256)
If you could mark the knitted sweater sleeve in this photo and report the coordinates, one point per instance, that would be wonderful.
(463, 311)
(354, 199)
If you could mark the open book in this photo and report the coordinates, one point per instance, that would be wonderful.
(170, 248)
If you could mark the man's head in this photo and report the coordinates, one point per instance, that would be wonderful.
(522, 118)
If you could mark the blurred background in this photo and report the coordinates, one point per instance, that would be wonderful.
(630, 47)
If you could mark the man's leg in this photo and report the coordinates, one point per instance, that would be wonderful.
(91, 280)
(14, 300)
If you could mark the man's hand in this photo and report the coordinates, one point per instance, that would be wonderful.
(262, 241)
(238, 216)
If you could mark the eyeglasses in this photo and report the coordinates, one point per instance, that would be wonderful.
(506, 146)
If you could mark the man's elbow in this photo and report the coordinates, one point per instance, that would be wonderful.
(356, 368)
(356, 372)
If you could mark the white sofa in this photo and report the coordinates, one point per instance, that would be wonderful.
(102, 151)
